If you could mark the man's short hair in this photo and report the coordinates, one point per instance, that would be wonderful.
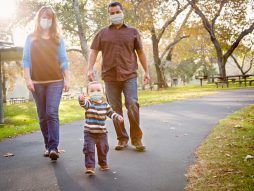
(114, 4)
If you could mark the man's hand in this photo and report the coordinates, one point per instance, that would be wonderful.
(146, 78)
(90, 75)
(30, 85)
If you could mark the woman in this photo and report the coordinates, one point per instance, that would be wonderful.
(46, 74)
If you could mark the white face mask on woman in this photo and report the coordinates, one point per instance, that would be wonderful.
(45, 23)
(116, 18)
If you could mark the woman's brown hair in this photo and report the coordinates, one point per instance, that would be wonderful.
(54, 31)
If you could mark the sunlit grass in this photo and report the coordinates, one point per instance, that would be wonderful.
(22, 118)
(221, 163)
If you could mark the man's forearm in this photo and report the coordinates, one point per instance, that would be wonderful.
(143, 61)
(92, 59)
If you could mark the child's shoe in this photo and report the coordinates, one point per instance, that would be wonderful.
(104, 167)
(46, 153)
(53, 155)
(89, 171)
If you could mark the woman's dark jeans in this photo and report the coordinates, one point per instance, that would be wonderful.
(47, 98)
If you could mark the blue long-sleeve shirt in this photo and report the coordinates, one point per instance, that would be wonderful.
(62, 56)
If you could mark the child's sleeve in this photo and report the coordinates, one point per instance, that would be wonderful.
(111, 114)
(85, 104)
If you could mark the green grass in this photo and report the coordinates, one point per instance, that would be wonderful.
(22, 118)
(220, 159)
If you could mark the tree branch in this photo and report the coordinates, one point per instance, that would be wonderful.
(237, 63)
(208, 27)
(170, 20)
(171, 45)
(222, 3)
(184, 22)
(238, 40)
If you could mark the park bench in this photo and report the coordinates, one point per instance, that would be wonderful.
(17, 100)
(221, 83)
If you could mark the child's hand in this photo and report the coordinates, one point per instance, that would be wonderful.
(120, 118)
(82, 97)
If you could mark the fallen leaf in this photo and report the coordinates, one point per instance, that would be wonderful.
(248, 157)
(8, 155)
(238, 126)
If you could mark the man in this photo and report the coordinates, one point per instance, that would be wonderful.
(120, 44)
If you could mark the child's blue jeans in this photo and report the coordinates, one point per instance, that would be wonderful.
(101, 142)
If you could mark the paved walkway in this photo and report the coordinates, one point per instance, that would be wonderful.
(172, 132)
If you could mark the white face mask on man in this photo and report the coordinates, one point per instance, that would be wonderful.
(117, 18)
(45, 23)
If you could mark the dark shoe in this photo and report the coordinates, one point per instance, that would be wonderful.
(89, 171)
(53, 155)
(121, 145)
(46, 153)
(139, 146)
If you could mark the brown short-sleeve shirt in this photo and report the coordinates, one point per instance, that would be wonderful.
(118, 46)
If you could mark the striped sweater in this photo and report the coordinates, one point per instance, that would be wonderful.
(96, 115)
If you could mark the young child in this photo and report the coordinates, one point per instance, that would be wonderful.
(95, 132)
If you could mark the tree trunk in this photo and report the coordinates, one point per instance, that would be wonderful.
(4, 83)
(160, 77)
(222, 67)
(1, 96)
(81, 33)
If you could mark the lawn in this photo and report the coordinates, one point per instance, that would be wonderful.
(22, 118)
(221, 159)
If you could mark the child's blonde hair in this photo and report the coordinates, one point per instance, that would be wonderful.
(94, 82)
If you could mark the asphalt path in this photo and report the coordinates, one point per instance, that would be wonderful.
(172, 132)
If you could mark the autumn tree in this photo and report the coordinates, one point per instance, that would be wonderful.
(220, 17)
(244, 58)
(158, 18)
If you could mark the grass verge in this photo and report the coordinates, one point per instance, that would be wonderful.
(22, 118)
(221, 159)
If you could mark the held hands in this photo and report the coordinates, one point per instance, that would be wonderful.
(120, 119)
(30, 85)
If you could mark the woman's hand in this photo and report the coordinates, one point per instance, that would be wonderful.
(66, 85)
(30, 85)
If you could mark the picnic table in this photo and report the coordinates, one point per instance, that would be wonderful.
(233, 78)
(201, 78)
